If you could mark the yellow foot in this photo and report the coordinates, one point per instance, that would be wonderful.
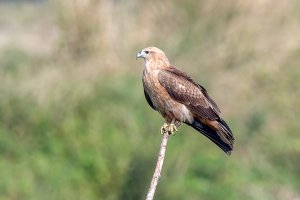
(170, 128)
(164, 128)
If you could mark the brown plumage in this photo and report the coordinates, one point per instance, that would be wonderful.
(178, 98)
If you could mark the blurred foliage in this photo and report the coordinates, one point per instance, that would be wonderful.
(74, 123)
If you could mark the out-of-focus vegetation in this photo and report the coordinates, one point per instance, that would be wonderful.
(74, 123)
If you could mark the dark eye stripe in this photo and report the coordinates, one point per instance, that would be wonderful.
(146, 52)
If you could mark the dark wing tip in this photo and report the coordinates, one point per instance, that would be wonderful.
(228, 152)
(212, 135)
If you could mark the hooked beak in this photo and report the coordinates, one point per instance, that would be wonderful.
(139, 55)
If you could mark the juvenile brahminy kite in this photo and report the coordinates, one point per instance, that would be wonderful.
(179, 99)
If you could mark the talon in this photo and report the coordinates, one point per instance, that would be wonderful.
(172, 129)
(164, 128)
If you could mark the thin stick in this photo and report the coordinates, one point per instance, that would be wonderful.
(159, 164)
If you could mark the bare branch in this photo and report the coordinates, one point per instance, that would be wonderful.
(159, 164)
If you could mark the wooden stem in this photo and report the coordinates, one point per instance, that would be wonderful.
(159, 164)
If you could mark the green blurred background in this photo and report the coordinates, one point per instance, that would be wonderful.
(74, 123)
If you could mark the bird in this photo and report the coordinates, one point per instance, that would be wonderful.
(179, 99)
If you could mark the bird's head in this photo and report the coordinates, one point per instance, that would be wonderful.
(152, 53)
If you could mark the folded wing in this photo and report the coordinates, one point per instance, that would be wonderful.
(184, 90)
(205, 111)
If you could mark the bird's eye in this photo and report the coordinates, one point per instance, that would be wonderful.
(146, 52)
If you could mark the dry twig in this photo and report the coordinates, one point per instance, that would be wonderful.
(159, 164)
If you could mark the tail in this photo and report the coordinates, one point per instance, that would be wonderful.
(222, 137)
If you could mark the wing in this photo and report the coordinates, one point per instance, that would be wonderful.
(183, 89)
(149, 100)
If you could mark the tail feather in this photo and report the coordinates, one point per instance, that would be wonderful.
(223, 137)
(225, 132)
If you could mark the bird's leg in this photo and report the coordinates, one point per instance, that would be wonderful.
(164, 128)
(171, 128)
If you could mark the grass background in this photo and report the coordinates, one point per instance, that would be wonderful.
(74, 123)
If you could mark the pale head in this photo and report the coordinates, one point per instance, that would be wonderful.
(153, 54)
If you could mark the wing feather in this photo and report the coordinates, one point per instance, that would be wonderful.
(185, 90)
(149, 100)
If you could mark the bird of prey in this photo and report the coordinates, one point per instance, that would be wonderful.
(179, 99)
